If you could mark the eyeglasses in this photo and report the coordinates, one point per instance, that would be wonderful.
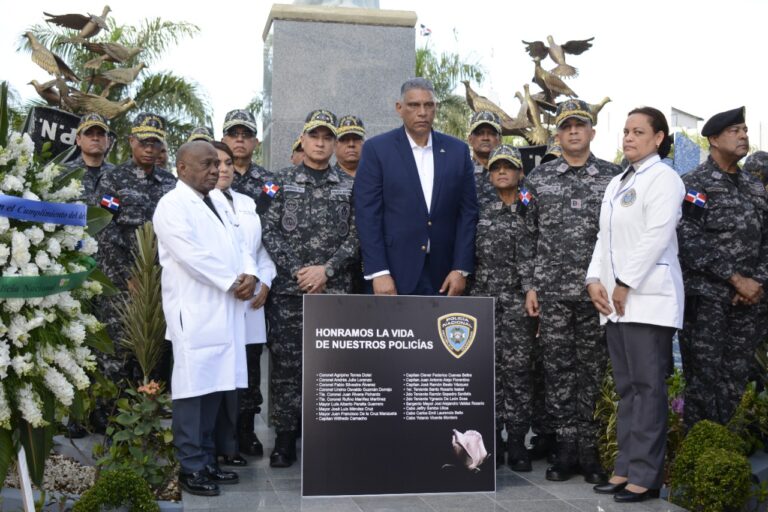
(150, 143)
(244, 134)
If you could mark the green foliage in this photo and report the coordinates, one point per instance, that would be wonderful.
(705, 435)
(675, 424)
(446, 71)
(139, 440)
(142, 313)
(721, 481)
(750, 420)
(114, 489)
(606, 413)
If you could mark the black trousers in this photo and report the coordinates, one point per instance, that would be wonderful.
(640, 355)
(202, 426)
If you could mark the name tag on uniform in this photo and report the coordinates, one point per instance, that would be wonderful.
(576, 203)
(340, 192)
(293, 188)
(484, 222)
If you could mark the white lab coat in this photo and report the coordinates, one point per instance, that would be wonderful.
(249, 229)
(637, 244)
(201, 258)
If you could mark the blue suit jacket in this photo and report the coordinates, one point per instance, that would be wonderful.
(393, 222)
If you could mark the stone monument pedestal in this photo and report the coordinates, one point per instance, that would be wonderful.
(346, 60)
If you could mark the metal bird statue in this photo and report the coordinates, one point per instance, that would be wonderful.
(537, 134)
(550, 84)
(49, 61)
(88, 26)
(597, 107)
(122, 76)
(509, 125)
(85, 102)
(539, 50)
(48, 92)
(112, 52)
(557, 53)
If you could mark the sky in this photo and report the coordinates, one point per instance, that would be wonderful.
(702, 56)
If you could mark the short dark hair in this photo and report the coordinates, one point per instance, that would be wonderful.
(220, 145)
(658, 124)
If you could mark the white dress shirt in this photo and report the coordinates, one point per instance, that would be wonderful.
(425, 164)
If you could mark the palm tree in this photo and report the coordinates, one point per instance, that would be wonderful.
(446, 71)
(179, 100)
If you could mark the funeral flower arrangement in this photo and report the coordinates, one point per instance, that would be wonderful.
(46, 270)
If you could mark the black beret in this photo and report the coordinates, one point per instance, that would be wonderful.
(719, 122)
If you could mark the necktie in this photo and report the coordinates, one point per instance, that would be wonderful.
(209, 204)
(627, 175)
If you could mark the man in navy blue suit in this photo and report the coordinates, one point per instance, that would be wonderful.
(415, 203)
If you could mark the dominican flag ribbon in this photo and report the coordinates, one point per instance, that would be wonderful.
(270, 189)
(425, 30)
(110, 203)
(525, 196)
(696, 198)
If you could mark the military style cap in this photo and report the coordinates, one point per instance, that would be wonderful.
(508, 153)
(240, 117)
(756, 164)
(573, 108)
(296, 146)
(92, 119)
(318, 118)
(201, 133)
(553, 152)
(147, 125)
(350, 124)
(485, 117)
(719, 122)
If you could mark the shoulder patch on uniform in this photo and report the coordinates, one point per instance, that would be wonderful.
(111, 203)
(696, 198)
(270, 188)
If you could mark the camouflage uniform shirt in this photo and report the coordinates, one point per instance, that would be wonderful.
(728, 235)
(138, 194)
(90, 179)
(561, 226)
(308, 223)
(485, 191)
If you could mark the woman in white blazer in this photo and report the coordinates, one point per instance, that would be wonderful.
(242, 210)
(635, 283)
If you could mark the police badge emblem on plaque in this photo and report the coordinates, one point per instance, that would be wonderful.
(457, 332)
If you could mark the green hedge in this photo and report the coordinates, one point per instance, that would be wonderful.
(117, 488)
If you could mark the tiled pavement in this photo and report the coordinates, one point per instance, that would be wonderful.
(262, 488)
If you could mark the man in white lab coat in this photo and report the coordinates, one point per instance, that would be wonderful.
(207, 276)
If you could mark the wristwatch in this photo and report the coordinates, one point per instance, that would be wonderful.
(328, 271)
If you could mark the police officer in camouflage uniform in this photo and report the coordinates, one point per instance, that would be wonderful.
(201, 133)
(756, 164)
(349, 146)
(724, 254)
(92, 138)
(131, 192)
(240, 131)
(484, 136)
(561, 203)
(310, 234)
(497, 275)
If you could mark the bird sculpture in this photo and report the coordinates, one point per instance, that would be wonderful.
(509, 125)
(537, 49)
(597, 107)
(48, 92)
(122, 76)
(111, 52)
(537, 134)
(88, 26)
(85, 102)
(550, 83)
(48, 60)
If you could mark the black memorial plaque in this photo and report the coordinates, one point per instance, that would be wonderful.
(398, 395)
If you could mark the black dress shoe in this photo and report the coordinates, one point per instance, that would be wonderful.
(625, 496)
(280, 459)
(250, 445)
(559, 472)
(198, 483)
(233, 460)
(594, 475)
(219, 476)
(609, 488)
(517, 455)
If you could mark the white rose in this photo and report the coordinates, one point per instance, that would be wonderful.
(49, 227)
(19, 249)
(42, 260)
(35, 235)
(53, 247)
